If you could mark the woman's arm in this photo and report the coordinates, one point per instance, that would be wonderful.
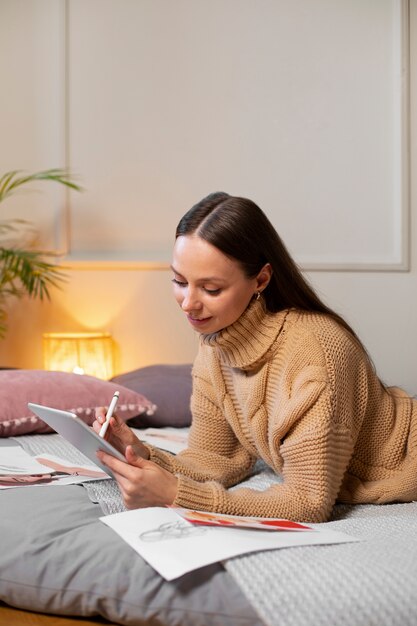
(315, 456)
(150, 477)
(214, 453)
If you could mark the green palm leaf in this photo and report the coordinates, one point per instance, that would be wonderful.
(11, 181)
(26, 272)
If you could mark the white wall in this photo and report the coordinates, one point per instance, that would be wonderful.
(154, 104)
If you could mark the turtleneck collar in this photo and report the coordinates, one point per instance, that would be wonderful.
(246, 343)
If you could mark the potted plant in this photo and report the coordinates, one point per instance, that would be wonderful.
(25, 270)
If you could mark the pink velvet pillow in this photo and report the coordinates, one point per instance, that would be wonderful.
(61, 390)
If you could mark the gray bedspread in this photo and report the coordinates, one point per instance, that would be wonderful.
(371, 582)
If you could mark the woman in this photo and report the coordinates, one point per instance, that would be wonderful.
(278, 376)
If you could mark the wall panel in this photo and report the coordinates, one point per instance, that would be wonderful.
(33, 111)
(307, 114)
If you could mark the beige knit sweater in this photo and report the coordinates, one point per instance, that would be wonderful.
(296, 390)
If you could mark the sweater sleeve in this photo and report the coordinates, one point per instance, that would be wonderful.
(214, 452)
(315, 457)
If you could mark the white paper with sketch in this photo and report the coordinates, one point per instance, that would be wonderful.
(173, 546)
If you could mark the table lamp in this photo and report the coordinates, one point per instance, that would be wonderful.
(81, 353)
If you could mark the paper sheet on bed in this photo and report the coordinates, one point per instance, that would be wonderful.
(20, 469)
(173, 546)
(14, 460)
(171, 439)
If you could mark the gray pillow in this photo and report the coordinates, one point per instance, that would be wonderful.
(167, 386)
(57, 557)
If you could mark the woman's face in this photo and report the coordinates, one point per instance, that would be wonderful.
(211, 288)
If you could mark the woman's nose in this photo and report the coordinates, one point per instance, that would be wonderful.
(190, 301)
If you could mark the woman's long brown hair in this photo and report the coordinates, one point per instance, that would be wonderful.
(242, 231)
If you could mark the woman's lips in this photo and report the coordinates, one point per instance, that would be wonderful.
(195, 321)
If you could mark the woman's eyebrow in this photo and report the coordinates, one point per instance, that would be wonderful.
(175, 271)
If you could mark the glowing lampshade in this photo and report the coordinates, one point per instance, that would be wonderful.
(81, 353)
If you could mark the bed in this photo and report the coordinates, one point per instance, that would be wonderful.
(58, 559)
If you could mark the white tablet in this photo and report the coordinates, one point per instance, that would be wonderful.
(83, 437)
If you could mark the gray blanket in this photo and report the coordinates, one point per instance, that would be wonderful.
(369, 583)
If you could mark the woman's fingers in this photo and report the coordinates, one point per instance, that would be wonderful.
(119, 467)
(100, 414)
(141, 482)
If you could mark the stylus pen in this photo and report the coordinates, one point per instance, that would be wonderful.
(109, 413)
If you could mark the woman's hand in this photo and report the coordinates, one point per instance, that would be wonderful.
(119, 434)
(142, 483)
